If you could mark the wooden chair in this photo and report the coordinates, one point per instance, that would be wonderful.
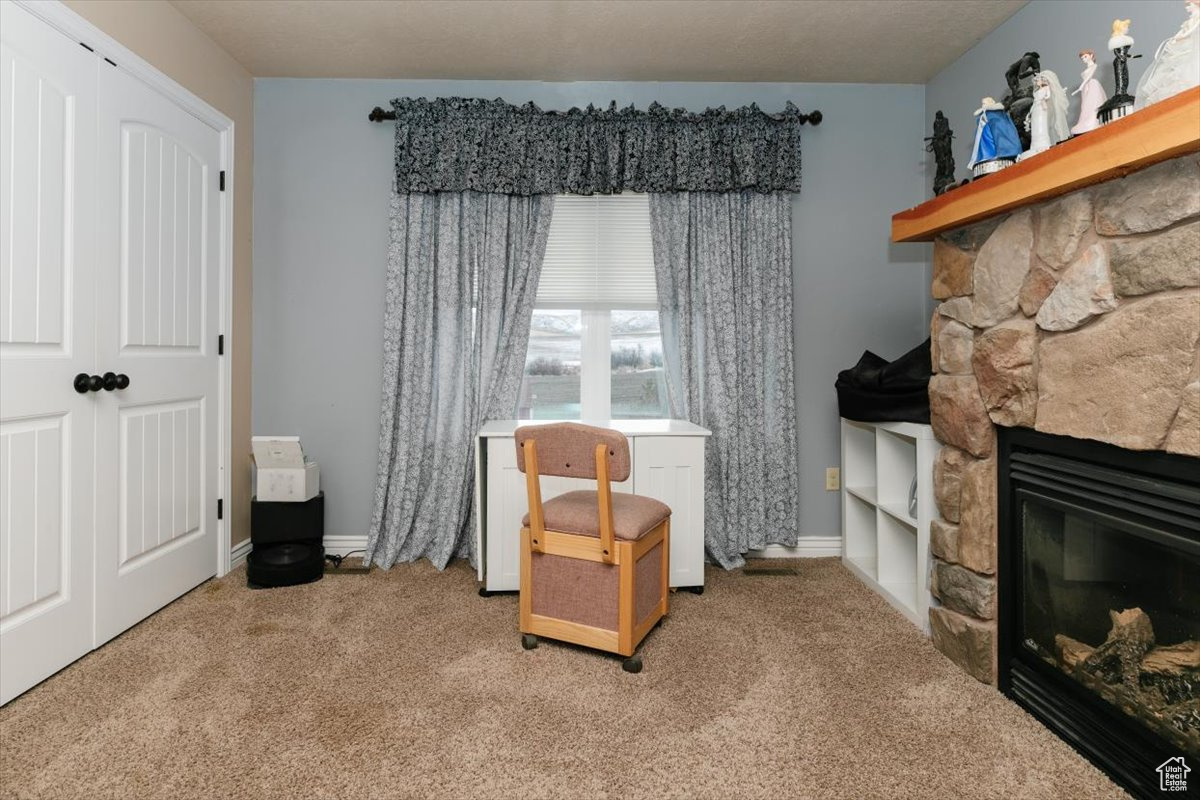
(594, 565)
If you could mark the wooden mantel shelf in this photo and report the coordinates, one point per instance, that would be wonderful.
(1164, 130)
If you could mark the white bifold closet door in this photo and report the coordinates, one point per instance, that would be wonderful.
(158, 232)
(47, 336)
(109, 249)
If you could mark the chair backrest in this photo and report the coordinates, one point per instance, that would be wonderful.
(568, 449)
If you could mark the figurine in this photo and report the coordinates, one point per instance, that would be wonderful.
(940, 146)
(1019, 98)
(1091, 95)
(997, 144)
(1047, 120)
(1121, 103)
(1176, 64)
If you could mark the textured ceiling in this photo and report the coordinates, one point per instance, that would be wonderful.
(843, 41)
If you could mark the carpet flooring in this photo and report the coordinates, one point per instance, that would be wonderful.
(406, 684)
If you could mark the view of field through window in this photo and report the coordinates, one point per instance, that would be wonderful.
(555, 362)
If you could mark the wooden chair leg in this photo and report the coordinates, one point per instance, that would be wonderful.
(526, 597)
(665, 586)
(625, 599)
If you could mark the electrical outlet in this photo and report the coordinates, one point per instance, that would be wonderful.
(833, 479)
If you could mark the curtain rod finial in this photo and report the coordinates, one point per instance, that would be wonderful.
(379, 115)
(814, 118)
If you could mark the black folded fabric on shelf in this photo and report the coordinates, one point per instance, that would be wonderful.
(878, 390)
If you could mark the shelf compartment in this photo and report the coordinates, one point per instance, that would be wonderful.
(864, 493)
(861, 544)
(897, 543)
(858, 457)
(899, 513)
(896, 466)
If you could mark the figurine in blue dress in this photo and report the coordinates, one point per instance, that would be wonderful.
(997, 144)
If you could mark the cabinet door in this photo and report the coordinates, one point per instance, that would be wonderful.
(47, 326)
(671, 469)
(506, 504)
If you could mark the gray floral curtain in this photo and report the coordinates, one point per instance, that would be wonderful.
(723, 263)
(462, 276)
(456, 144)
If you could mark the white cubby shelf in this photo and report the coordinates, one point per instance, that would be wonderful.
(882, 543)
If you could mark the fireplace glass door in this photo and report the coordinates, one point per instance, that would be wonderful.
(1112, 601)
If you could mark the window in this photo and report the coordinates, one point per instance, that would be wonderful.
(595, 347)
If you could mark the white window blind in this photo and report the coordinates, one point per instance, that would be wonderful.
(598, 254)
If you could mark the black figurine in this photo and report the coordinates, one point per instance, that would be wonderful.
(1019, 98)
(1121, 103)
(943, 153)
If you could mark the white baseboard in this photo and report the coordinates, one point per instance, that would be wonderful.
(238, 553)
(334, 546)
(341, 545)
(806, 547)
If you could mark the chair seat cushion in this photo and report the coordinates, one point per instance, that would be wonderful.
(579, 513)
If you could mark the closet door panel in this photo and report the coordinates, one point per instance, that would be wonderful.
(160, 215)
(162, 263)
(47, 285)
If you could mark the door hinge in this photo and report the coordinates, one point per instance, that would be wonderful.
(222, 180)
(220, 509)
(221, 344)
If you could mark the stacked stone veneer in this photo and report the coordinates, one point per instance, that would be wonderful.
(1079, 316)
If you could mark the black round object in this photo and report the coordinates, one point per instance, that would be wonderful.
(632, 664)
(528, 641)
(285, 564)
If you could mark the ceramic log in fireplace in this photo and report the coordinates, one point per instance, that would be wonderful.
(1099, 566)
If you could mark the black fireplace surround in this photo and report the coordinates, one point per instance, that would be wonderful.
(1099, 600)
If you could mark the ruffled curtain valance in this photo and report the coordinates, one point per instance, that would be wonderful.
(456, 144)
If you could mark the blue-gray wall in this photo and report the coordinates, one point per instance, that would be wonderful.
(321, 183)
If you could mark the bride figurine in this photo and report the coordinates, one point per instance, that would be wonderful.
(1047, 119)
(1091, 95)
(1176, 65)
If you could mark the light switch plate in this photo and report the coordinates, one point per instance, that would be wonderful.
(833, 479)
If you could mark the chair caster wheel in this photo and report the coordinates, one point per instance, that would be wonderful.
(696, 589)
(484, 592)
(632, 664)
(528, 641)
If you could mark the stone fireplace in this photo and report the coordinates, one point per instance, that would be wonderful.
(1078, 317)
(1073, 326)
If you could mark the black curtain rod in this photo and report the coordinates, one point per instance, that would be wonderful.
(379, 115)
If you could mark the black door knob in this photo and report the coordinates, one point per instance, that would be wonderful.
(85, 383)
(114, 381)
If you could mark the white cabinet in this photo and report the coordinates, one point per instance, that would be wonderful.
(671, 469)
(668, 465)
(887, 506)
